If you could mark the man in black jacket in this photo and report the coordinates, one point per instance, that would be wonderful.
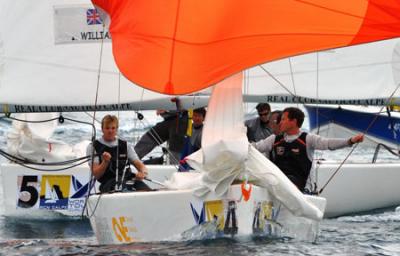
(114, 157)
(292, 151)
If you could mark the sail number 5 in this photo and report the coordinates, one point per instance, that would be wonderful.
(28, 194)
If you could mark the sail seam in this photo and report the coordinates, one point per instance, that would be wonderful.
(169, 88)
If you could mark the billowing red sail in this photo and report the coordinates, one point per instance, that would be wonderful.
(182, 46)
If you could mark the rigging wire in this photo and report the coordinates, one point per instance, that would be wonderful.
(292, 76)
(317, 95)
(91, 175)
(91, 116)
(318, 125)
(246, 87)
(33, 121)
(19, 160)
(24, 162)
(392, 127)
(118, 187)
(52, 170)
(276, 80)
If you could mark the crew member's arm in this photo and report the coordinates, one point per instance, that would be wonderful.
(265, 145)
(139, 165)
(98, 170)
(142, 170)
(318, 142)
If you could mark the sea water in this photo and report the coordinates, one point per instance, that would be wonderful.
(369, 233)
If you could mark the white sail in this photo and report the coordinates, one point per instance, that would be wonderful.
(50, 195)
(365, 71)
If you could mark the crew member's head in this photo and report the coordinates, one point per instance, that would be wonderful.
(264, 110)
(199, 114)
(109, 126)
(274, 121)
(291, 120)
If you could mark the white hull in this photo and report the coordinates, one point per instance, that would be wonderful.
(359, 187)
(24, 190)
(355, 188)
(164, 215)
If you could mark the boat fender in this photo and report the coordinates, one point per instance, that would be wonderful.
(246, 191)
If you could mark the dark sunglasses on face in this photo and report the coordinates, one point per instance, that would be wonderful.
(263, 114)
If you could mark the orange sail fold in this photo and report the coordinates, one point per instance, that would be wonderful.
(182, 46)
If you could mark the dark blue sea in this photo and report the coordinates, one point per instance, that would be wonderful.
(370, 233)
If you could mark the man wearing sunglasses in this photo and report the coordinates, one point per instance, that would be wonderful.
(258, 128)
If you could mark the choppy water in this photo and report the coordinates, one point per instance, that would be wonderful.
(373, 233)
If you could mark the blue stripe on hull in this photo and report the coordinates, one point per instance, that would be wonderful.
(356, 121)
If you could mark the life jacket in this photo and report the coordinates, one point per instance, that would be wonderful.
(292, 159)
(122, 150)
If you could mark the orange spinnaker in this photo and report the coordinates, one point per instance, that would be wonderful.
(182, 46)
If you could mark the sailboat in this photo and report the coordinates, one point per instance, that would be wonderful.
(384, 125)
(50, 195)
(190, 34)
(68, 52)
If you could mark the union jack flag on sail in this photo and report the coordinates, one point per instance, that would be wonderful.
(93, 17)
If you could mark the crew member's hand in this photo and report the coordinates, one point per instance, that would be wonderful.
(140, 175)
(356, 139)
(106, 156)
